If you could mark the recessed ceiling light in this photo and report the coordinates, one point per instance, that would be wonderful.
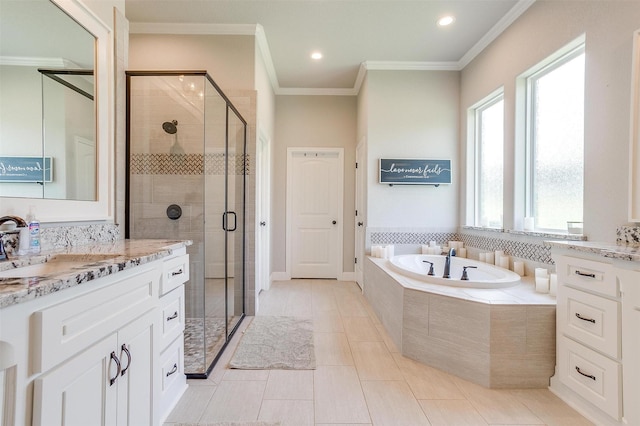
(446, 20)
(316, 55)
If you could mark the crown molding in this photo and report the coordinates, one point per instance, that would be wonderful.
(261, 41)
(36, 62)
(294, 91)
(191, 28)
(508, 19)
(410, 66)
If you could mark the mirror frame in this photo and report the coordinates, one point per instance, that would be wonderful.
(51, 210)
(634, 148)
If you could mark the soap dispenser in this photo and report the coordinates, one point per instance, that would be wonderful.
(34, 232)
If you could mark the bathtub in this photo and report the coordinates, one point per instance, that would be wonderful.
(483, 275)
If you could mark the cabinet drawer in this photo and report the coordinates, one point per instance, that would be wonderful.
(591, 320)
(593, 376)
(174, 273)
(173, 381)
(172, 310)
(67, 328)
(596, 277)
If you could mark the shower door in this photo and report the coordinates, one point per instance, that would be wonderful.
(186, 150)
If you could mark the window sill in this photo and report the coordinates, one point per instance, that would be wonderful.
(554, 235)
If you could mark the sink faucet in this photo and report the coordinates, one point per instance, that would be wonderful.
(19, 222)
(447, 263)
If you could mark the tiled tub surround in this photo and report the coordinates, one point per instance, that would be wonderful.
(127, 254)
(502, 338)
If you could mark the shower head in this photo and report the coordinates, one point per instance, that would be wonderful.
(170, 127)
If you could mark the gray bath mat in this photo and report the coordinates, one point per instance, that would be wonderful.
(284, 343)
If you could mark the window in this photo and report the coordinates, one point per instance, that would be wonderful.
(555, 142)
(489, 143)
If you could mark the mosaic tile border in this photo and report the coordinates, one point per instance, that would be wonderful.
(188, 164)
(524, 250)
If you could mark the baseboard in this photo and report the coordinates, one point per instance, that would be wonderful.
(348, 276)
(280, 276)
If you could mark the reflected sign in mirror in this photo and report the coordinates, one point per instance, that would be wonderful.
(47, 107)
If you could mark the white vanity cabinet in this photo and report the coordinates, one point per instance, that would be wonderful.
(597, 328)
(108, 382)
(95, 354)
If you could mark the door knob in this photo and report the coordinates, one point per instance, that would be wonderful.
(263, 223)
(360, 223)
(334, 222)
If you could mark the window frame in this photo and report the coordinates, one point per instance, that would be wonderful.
(476, 115)
(551, 64)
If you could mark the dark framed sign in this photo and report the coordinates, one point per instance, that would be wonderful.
(414, 171)
(25, 169)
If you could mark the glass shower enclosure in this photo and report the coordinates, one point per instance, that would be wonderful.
(186, 177)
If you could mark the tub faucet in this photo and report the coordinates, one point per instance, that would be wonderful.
(19, 222)
(447, 263)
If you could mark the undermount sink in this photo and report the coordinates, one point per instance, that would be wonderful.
(58, 264)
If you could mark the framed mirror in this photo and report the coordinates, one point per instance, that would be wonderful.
(634, 151)
(55, 111)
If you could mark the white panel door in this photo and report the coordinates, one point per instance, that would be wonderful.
(315, 200)
(360, 211)
(263, 209)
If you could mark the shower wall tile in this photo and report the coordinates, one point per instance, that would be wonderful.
(177, 189)
(140, 187)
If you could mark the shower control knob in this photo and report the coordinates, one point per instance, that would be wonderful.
(174, 212)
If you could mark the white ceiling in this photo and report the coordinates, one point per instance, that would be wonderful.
(381, 34)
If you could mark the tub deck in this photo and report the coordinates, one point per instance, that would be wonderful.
(497, 338)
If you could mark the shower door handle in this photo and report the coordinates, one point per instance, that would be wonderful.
(225, 222)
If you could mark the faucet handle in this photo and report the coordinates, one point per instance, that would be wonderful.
(430, 267)
(465, 277)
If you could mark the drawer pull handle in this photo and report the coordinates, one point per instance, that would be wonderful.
(126, 351)
(175, 368)
(584, 274)
(178, 272)
(175, 315)
(585, 319)
(585, 375)
(113, 379)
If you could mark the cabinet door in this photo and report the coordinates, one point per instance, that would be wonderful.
(135, 383)
(79, 391)
(630, 282)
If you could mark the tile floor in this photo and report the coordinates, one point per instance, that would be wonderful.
(360, 378)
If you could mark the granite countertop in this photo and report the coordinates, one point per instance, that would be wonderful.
(610, 250)
(86, 263)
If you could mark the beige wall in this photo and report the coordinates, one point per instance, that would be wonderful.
(228, 59)
(313, 121)
(412, 114)
(539, 32)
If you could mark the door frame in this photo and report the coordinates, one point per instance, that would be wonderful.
(361, 210)
(263, 213)
(340, 205)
